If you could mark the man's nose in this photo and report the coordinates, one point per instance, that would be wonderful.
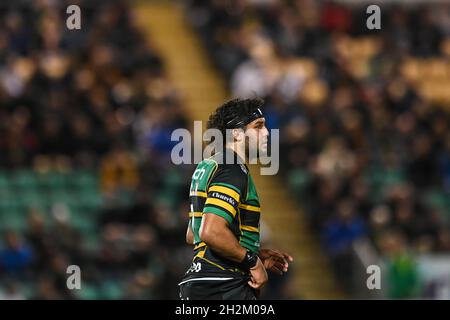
(265, 132)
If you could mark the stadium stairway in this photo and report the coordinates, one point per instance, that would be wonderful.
(201, 89)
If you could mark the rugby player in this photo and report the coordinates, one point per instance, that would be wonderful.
(224, 224)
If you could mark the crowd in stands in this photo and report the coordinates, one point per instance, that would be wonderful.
(94, 100)
(364, 119)
(365, 126)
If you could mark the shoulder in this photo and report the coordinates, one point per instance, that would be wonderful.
(232, 175)
(208, 166)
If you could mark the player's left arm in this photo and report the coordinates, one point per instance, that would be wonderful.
(275, 261)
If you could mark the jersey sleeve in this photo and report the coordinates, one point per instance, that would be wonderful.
(227, 187)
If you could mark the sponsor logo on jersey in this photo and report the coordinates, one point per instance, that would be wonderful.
(223, 197)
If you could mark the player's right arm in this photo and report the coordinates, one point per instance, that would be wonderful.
(215, 233)
(189, 234)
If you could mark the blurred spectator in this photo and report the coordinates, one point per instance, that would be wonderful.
(339, 233)
(16, 256)
(40, 239)
(402, 273)
(11, 292)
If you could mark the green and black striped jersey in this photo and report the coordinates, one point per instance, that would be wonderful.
(226, 190)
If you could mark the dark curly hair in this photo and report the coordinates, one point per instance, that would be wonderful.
(231, 109)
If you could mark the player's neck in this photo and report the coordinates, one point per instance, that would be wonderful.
(240, 151)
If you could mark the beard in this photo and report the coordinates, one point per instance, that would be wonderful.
(255, 149)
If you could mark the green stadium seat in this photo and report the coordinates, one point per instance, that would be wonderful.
(14, 219)
(91, 240)
(53, 180)
(4, 180)
(9, 204)
(24, 179)
(61, 196)
(436, 198)
(298, 179)
(27, 290)
(84, 179)
(111, 290)
(5, 194)
(83, 223)
(392, 177)
(440, 200)
(381, 179)
(90, 200)
(165, 198)
(87, 292)
(31, 199)
(173, 178)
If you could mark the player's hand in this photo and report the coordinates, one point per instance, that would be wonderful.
(275, 261)
(258, 275)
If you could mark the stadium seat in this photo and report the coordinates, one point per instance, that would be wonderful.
(13, 218)
(24, 180)
(111, 290)
(84, 180)
(440, 200)
(89, 200)
(87, 292)
(83, 223)
(4, 180)
(61, 196)
(298, 178)
(31, 198)
(52, 180)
